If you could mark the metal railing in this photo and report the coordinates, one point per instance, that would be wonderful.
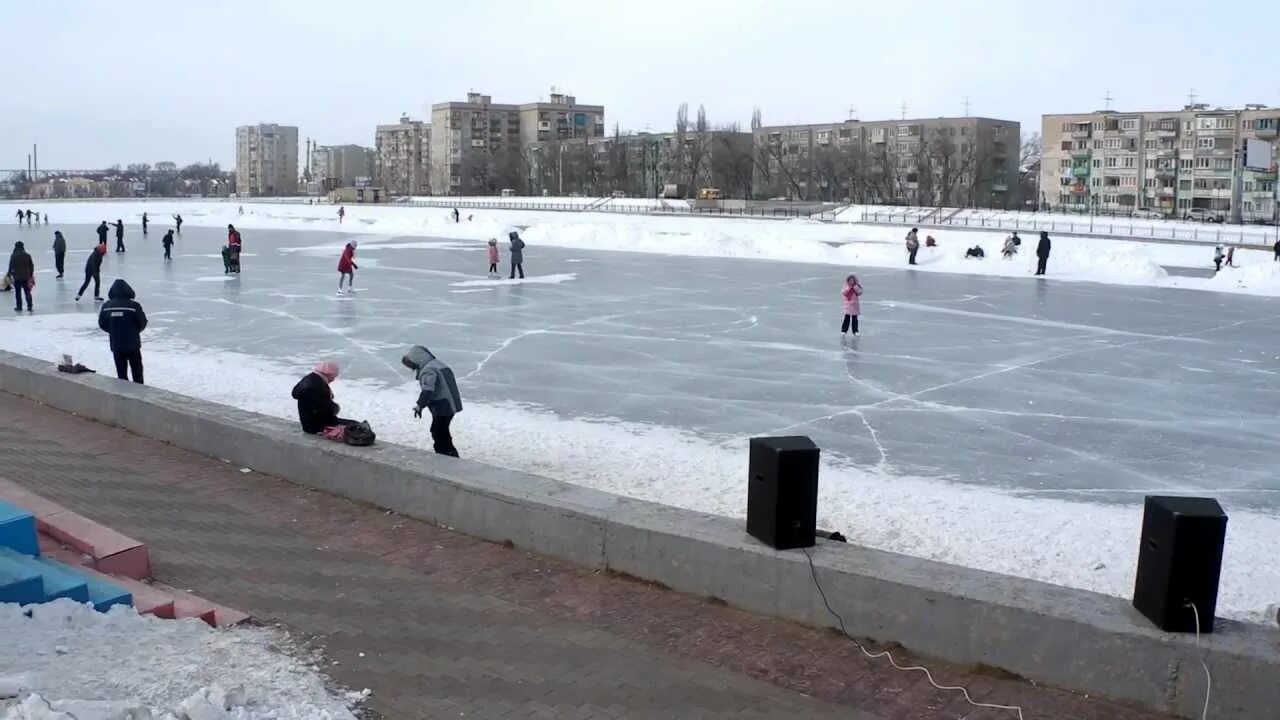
(1101, 226)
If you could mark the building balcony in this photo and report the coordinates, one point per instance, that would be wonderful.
(1265, 133)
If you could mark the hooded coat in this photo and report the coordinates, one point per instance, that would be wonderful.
(102, 232)
(59, 242)
(316, 408)
(851, 294)
(439, 389)
(21, 267)
(517, 249)
(122, 317)
(1043, 248)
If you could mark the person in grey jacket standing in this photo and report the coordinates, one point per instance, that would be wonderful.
(59, 251)
(517, 254)
(438, 394)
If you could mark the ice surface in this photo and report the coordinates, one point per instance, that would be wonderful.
(1005, 423)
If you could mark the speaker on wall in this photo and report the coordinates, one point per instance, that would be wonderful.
(1180, 561)
(782, 491)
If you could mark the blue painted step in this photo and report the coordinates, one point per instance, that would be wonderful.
(17, 529)
(58, 582)
(102, 593)
(20, 583)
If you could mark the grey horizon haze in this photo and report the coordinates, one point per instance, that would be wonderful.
(103, 83)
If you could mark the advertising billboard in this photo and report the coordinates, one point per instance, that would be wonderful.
(1257, 155)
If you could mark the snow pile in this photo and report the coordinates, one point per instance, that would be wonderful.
(1079, 544)
(64, 661)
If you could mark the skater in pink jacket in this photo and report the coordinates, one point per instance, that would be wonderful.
(852, 306)
(493, 258)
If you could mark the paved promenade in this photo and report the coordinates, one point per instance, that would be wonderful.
(440, 625)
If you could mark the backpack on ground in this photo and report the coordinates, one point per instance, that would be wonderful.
(360, 434)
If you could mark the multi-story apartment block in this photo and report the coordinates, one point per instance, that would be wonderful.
(267, 160)
(402, 162)
(1169, 162)
(336, 166)
(476, 144)
(935, 161)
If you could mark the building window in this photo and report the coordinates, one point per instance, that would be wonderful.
(1066, 144)
(1265, 123)
(1130, 162)
(1082, 145)
(1151, 163)
(1064, 164)
(1113, 143)
(1129, 181)
(1112, 162)
(1205, 143)
(1130, 124)
(1099, 126)
(1149, 183)
(1097, 182)
(1184, 203)
(1226, 123)
(1151, 144)
(1247, 125)
(1097, 163)
(1185, 163)
(1202, 163)
(1097, 144)
(1222, 163)
(1188, 143)
(1184, 184)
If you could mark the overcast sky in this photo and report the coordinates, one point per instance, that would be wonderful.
(97, 82)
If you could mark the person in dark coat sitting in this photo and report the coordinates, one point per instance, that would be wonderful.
(316, 408)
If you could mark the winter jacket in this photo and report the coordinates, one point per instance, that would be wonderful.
(850, 295)
(493, 254)
(439, 391)
(233, 238)
(347, 262)
(167, 240)
(517, 249)
(913, 242)
(102, 232)
(316, 408)
(123, 318)
(119, 229)
(93, 265)
(1042, 250)
(21, 267)
(59, 243)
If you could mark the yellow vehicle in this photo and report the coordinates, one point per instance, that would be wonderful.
(709, 194)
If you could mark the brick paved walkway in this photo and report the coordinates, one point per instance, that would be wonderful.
(451, 626)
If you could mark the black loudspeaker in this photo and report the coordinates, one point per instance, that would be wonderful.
(1179, 562)
(782, 491)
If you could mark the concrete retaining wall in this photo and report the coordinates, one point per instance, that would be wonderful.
(1071, 638)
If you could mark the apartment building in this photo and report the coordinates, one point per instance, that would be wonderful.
(476, 145)
(338, 166)
(402, 157)
(927, 161)
(1166, 161)
(267, 160)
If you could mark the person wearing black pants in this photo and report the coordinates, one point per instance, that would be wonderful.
(1276, 247)
(441, 438)
(1042, 253)
(59, 252)
(517, 254)
(438, 393)
(123, 319)
(21, 270)
(93, 272)
(119, 235)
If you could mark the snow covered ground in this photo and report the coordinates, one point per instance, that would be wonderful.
(800, 240)
(66, 662)
(997, 422)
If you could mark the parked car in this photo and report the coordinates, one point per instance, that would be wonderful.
(1148, 214)
(1204, 215)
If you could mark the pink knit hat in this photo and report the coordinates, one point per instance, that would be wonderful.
(327, 370)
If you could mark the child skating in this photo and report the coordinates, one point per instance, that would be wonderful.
(347, 269)
(493, 258)
(852, 306)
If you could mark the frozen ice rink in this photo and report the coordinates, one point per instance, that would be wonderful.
(1035, 389)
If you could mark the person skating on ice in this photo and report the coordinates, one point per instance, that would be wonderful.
(22, 271)
(438, 394)
(177, 220)
(1218, 256)
(119, 224)
(103, 231)
(144, 223)
(233, 249)
(517, 254)
(93, 272)
(59, 252)
(167, 242)
(493, 258)
(851, 293)
(1042, 253)
(347, 268)
(342, 212)
(913, 245)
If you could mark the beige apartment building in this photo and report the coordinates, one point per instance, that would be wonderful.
(338, 166)
(478, 144)
(927, 161)
(402, 157)
(1165, 161)
(267, 160)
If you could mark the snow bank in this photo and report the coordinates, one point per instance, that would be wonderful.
(796, 240)
(66, 661)
(1079, 544)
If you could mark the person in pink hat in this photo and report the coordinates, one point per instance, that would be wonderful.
(316, 408)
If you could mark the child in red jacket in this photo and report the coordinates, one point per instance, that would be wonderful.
(493, 258)
(347, 268)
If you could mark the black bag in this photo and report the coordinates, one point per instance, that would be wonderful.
(359, 434)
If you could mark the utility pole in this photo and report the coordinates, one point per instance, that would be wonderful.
(904, 110)
(967, 111)
(1106, 101)
(35, 162)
